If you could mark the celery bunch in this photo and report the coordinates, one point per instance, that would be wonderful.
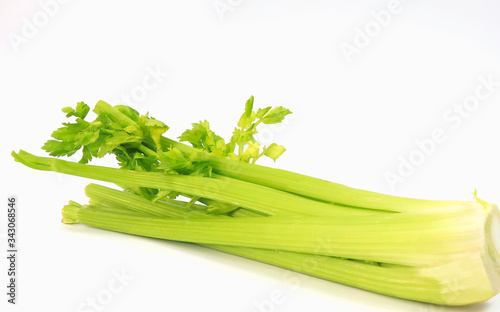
(443, 252)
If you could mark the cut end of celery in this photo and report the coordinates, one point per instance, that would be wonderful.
(491, 257)
(69, 213)
(494, 230)
(475, 276)
(483, 278)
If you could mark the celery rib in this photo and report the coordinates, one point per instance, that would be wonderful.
(455, 283)
(374, 239)
(304, 185)
(244, 194)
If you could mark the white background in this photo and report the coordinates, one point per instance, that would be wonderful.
(353, 123)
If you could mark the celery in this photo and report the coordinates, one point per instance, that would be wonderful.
(468, 278)
(252, 196)
(309, 186)
(289, 181)
(407, 239)
(127, 134)
(444, 252)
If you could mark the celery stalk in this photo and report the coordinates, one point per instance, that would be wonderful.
(468, 279)
(248, 195)
(304, 185)
(444, 252)
(427, 238)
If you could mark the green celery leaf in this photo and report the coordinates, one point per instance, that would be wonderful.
(274, 151)
(248, 116)
(81, 110)
(276, 115)
(262, 112)
(252, 151)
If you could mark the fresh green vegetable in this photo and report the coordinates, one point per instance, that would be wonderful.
(457, 282)
(134, 140)
(251, 196)
(422, 238)
(444, 252)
